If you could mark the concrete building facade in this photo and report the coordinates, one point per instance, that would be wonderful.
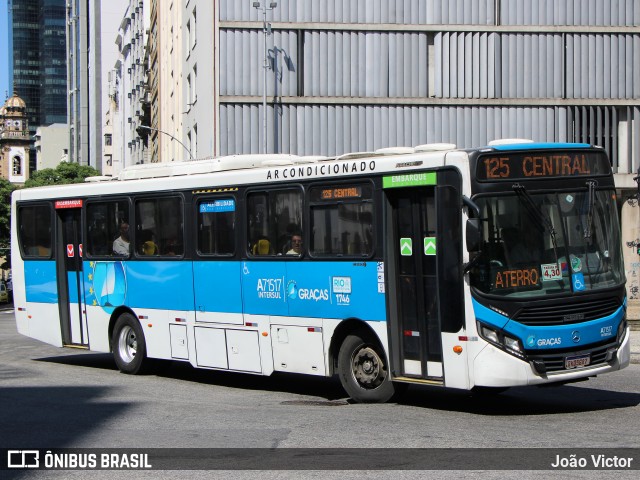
(91, 53)
(51, 145)
(165, 82)
(131, 88)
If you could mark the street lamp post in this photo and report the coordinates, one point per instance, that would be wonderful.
(266, 29)
(160, 131)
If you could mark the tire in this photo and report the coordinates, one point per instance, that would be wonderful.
(128, 346)
(364, 370)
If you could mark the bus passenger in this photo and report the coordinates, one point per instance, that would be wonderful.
(296, 245)
(121, 244)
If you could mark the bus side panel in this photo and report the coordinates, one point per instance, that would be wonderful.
(159, 285)
(98, 326)
(41, 298)
(336, 290)
(457, 365)
(158, 293)
(40, 279)
(218, 292)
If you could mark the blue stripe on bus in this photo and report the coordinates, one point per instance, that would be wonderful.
(319, 289)
(554, 336)
(40, 281)
(217, 286)
(284, 288)
(140, 284)
(538, 146)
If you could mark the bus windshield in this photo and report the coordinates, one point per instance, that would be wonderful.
(536, 244)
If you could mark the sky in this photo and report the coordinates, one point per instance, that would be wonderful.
(4, 52)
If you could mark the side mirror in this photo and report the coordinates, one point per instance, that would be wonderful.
(473, 235)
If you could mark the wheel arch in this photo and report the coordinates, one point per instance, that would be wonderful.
(344, 329)
(114, 318)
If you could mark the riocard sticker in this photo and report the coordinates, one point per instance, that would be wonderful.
(429, 245)
(406, 247)
(409, 180)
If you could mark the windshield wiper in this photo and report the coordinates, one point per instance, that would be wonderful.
(591, 184)
(543, 220)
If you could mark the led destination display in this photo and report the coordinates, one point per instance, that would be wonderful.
(517, 165)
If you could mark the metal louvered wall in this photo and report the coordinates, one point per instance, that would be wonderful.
(477, 71)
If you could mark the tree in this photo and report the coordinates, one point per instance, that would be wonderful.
(64, 173)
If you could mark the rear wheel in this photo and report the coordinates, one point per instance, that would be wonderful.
(128, 345)
(363, 369)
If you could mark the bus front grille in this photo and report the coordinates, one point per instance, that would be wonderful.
(555, 361)
(568, 312)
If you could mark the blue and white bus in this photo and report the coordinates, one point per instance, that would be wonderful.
(493, 267)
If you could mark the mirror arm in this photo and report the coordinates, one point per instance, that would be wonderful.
(472, 206)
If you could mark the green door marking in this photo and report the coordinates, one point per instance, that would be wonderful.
(409, 180)
(429, 245)
(406, 247)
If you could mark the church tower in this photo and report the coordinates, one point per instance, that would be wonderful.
(14, 140)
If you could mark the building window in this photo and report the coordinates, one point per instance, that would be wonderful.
(194, 141)
(192, 33)
(194, 90)
(189, 38)
(189, 92)
(107, 139)
(17, 165)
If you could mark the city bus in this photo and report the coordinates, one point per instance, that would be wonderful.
(472, 269)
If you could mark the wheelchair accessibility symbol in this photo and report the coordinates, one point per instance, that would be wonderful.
(578, 282)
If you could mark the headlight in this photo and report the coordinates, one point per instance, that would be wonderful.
(501, 340)
(490, 335)
(513, 344)
(622, 329)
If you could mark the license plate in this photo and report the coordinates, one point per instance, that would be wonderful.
(574, 362)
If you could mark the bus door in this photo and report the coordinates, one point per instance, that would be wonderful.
(423, 262)
(70, 277)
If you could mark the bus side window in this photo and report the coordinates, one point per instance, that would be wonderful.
(159, 227)
(273, 217)
(35, 230)
(216, 226)
(107, 229)
(341, 220)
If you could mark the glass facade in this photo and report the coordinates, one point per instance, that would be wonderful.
(52, 55)
(39, 59)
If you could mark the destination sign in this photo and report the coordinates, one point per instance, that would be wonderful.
(541, 164)
(341, 192)
(521, 278)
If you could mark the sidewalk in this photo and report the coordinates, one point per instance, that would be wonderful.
(635, 341)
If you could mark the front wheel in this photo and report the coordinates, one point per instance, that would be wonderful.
(128, 345)
(363, 369)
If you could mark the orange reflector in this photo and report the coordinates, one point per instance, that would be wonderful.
(457, 349)
(149, 325)
(265, 334)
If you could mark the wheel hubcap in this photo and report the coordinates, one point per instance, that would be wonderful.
(368, 368)
(127, 344)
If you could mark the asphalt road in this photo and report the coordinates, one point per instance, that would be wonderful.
(61, 398)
